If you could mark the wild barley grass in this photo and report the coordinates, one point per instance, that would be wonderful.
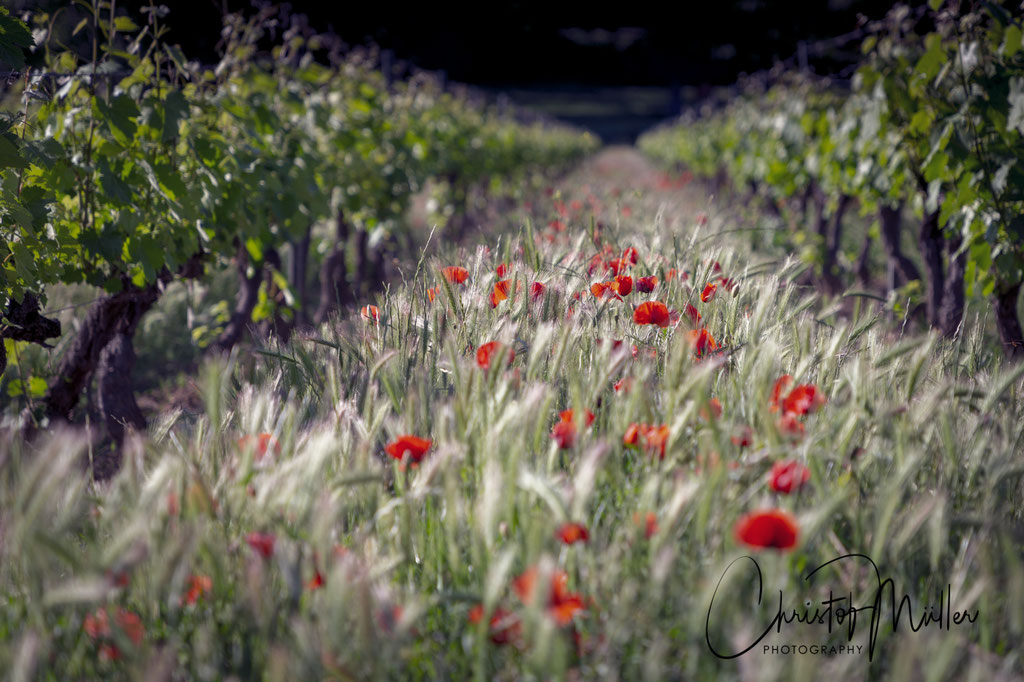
(915, 461)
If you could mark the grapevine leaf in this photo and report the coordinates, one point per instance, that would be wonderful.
(10, 157)
(175, 109)
(14, 40)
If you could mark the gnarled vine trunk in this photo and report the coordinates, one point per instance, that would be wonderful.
(332, 273)
(863, 268)
(298, 277)
(931, 250)
(952, 311)
(111, 316)
(115, 396)
(826, 227)
(889, 228)
(248, 293)
(1008, 322)
(26, 323)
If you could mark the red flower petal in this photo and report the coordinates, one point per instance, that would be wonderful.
(414, 446)
(261, 543)
(787, 476)
(708, 293)
(572, 532)
(768, 529)
(652, 312)
(645, 285)
(455, 274)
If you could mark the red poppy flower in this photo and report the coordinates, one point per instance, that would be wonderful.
(537, 291)
(715, 407)
(803, 399)
(654, 437)
(505, 627)
(561, 604)
(649, 523)
(601, 289)
(652, 312)
(503, 269)
(708, 293)
(564, 433)
(617, 265)
(109, 652)
(370, 313)
(316, 582)
(780, 385)
(743, 437)
(454, 274)
(414, 446)
(716, 268)
(433, 293)
(119, 578)
(768, 529)
(261, 543)
(632, 435)
(728, 283)
(626, 211)
(198, 585)
(787, 476)
(657, 438)
(624, 385)
(670, 275)
(702, 342)
(388, 618)
(568, 415)
(557, 225)
(486, 352)
(630, 255)
(791, 426)
(131, 625)
(96, 624)
(261, 443)
(622, 285)
(571, 533)
(576, 205)
(616, 343)
(692, 313)
(702, 219)
(645, 285)
(500, 293)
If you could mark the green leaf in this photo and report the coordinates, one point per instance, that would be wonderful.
(24, 261)
(170, 181)
(935, 4)
(120, 114)
(10, 156)
(37, 387)
(18, 213)
(1012, 40)
(125, 25)
(255, 249)
(934, 58)
(113, 186)
(175, 109)
(15, 38)
(43, 153)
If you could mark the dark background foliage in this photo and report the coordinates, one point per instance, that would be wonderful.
(569, 59)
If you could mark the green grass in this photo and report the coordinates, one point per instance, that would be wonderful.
(915, 460)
